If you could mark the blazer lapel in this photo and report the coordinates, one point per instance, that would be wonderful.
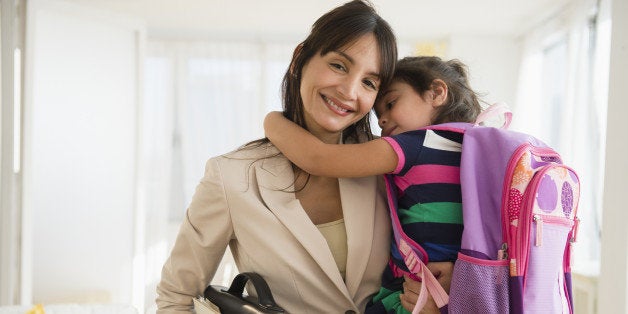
(275, 180)
(358, 203)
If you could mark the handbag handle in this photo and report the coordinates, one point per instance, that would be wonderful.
(264, 296)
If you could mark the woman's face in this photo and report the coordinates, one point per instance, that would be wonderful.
(402, 109)
(340, 87)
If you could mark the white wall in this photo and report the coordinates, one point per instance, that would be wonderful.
(80, 154)
(613, 286)
(493, 63)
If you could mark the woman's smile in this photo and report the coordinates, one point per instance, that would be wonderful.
(337, 106)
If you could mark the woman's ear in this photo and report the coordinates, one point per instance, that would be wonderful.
(439, 92)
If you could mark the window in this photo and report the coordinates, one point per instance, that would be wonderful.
(201, 99)
(563, 70)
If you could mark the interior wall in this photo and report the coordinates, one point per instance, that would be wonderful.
(613, 281)
(80, 154)
(493, 63)
(10, 174)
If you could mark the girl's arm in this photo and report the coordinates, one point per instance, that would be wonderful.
(329, 160)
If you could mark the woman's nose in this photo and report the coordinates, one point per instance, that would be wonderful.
(349, 88)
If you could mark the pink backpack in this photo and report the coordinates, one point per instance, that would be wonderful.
(519, 206)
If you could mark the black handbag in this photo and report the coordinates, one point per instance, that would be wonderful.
(233, 300)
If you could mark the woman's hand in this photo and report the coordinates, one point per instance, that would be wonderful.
(411, 288)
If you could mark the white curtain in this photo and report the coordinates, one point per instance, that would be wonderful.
(561, 98)
(202, 99)
(220, 93)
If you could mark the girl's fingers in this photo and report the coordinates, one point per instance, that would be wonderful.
(411, 285)
(407, 302)
(410, 295)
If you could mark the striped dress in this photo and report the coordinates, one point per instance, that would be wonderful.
(427, 180)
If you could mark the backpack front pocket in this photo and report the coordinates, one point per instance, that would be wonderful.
(544, 235)
(544, 285)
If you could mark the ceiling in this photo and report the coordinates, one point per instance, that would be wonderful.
(411, 19)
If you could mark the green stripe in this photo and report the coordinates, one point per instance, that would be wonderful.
(382, 294)
(443, 212)
(392, 302)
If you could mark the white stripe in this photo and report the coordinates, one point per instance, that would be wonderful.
(435, 141)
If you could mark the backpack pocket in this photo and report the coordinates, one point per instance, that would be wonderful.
(479, 286)
(543, 239)
(544, 285)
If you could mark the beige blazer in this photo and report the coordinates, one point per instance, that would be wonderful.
(244, 205)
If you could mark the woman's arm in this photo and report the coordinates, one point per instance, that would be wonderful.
(203, 237)
(330, 160)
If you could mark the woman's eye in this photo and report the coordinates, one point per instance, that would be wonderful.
(372, 85)
(390, 104)
(338, 66)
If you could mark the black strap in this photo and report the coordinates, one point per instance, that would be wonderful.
(264, 296)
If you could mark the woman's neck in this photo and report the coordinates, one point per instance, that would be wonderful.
(329, 138)
(323, 134)
(326, 136)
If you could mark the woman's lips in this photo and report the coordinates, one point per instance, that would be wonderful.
(337, 106)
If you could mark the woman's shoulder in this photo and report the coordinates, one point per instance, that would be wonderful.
(247, 153)
(236, 163)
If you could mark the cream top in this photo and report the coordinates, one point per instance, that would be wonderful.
(336, 235)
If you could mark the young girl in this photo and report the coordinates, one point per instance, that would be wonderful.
(425, 163)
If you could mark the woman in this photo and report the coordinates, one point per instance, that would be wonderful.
(321, 243)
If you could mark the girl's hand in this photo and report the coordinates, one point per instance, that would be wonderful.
(443, 272)
(411, 288)
(410, 295)
(271, 120)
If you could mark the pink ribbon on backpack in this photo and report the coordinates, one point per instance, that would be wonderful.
(498, 109)
(429, 283)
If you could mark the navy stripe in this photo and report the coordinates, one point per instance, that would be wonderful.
(423, 232)
(411, 144)
(430, 193)
(450, 135)
(390, 282)
(441, 252)
(416, 154)
(431, 156)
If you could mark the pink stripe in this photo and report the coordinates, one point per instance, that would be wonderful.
(483, 262)
(401, 157)
(424, 174)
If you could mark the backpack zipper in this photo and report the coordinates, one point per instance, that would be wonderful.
(540, 219)
(507, 232)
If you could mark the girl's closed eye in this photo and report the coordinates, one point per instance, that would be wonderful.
(387, 104)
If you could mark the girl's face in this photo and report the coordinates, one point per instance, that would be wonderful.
(340, 87)
(402, 109)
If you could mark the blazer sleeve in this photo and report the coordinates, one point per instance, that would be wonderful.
(199, 247)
